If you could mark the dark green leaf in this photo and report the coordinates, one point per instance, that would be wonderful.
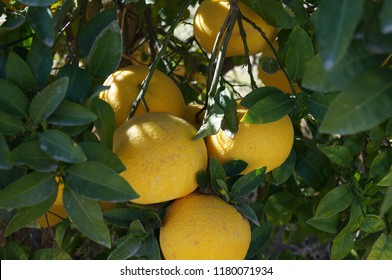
(27, 215)
(234, 167)
(382, 249)
(60, 146)
(12, 24)
(387, 203)
(299, 54)
(334, 202)
(268, 64)
(203, 180)
(47, 101)
(41, 20)
(4, 154)
(386, 181)
(38, 3)
(19, 72)
(260, 236)
(229, 123)
(90, 32)
(61, 14)
(79, 82)
(381, 165)
(248, 183)
(126, 249)
(152, 249)
(329, 224)
(356, 219)
(372, 223)
(248, 212)
(102, 154)
(386, 17)
(342, 246)
(123, 217)
(339, 155)
(105, 123)
(12, 251)
(9, 124)
(283, 172)
(50, 254)
(29, 190)
(40, 60)
(30, 154)
(12, 99)
(343, 17)
(99, 182)
(271, 108)
(257, 95)
(71, 114)
(106, 52)
(280, 207)
(217, 173)
(87, 216)
(319, 103)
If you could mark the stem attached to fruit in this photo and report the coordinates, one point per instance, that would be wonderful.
(153, 66)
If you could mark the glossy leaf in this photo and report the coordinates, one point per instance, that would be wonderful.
(319, 103)
(47, 101)
(329, 224)
(260, 237)
(248, 212)
(283, 172)
(9, 124)
(342, 16)
(248, 183)
(102, 154)
(217, 172)
(71, 114)
(106, 52)
(123, 217)
(386, 17)
(299, 53)
(41, 20)
(79, 82)
(40, 60)
(339, 155)
(27, 215)
(12, 251)
(38, 3)
(334, 202)
(19, 72)
(104, 123)
(12, 24)
(382, 249)
(381, 165)
(234, 167)
(342, 246)
(30, 154)
(12, 99)
(257, 95)
(29, 190)
(372, 223)
(60, 146)
(50, 254)
(87, 216)
(126, 249)
(4, 154)
(97, 181)
(152, 249)
(280, 207)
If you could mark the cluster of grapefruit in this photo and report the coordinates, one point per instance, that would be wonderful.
(162, 158)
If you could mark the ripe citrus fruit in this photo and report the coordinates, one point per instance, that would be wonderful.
(160, 155)
(204, 227)
(57, 212)
(267, 144)
(277, 79)
(190, 114)
(162, 94)
(209, 18)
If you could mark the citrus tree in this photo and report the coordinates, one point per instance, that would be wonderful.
(124, 133)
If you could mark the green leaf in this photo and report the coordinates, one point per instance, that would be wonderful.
(50, 254)
(253, 97)
(248, 183)
(87, 216)
(339, 155)
(19, 72)
(381, 165)
(9, 124)
(97, 181)
(319, 103)
(386, 17)
(382, 249)
(27, 215)
(40, 60)
(30, 154)
(79, 82)
(12, 251)
(329, 224)
(4, 154)
(106, 52)
(38, 3)
(334, 202)
(283, 172)
(386, 181)
(60, 146)
(12, 99)
(12, 24)
(71, 114)
(123, 217)
(248, 212)
(372, 223)
(47, 101)
(229, 123)
(356, 219)
(387, 203)
(260, 236)
(300, 53)
(234, 167)
(104, 123)
(342, 246)
(342, 16)
(29, 190)
(152, 249)
(41, 20)
(126, 249)
(280, 207)
(90, 32)
(102, 154)
(271, 108)
(217, 172)
(369, 95)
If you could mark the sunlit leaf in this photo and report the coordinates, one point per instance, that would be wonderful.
(382, 249)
